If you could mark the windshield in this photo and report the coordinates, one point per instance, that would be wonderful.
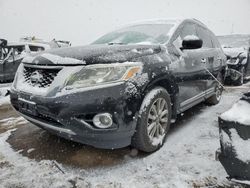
(138, 34)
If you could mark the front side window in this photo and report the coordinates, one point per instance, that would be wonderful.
(205, 36)
(182, 32)
(215, 41)
(138, 34)
(188, 29)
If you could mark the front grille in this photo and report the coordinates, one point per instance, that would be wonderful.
(39, 77)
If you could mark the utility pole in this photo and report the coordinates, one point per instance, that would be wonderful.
(232, 31)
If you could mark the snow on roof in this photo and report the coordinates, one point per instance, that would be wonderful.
(191, 37)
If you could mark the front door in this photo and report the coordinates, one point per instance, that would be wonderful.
(212, 58)
(189, 70)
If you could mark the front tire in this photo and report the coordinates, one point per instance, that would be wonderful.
(153, 121)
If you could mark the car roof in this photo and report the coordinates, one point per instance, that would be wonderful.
(175, 21)
(166, 21)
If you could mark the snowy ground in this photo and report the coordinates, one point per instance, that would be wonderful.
(31, 157)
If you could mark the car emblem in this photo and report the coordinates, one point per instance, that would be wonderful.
(36, 77)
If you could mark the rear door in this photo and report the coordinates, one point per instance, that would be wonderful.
(210, 59)
(220, 57)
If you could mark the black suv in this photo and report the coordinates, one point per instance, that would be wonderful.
(126, 87)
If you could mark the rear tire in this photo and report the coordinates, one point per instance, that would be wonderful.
(153, 121)
(216, 97)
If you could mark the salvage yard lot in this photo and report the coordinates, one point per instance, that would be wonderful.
(30, 156)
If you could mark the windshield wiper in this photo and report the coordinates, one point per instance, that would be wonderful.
(113, 43)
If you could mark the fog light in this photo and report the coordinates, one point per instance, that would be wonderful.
(103, 120)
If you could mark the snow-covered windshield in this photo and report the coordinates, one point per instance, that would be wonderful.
(138, 34)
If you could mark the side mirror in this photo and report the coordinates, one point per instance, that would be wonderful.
(191, 42)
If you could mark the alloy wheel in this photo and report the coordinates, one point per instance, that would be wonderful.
(157, 119)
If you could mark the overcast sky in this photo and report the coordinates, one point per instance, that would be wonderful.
(82, 21)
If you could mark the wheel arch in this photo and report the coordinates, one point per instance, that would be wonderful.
(170, 86)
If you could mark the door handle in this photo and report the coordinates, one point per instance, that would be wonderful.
(203, 60)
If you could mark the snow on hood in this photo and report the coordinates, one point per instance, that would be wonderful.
(92, 54)
(234, 52)
(61, 60)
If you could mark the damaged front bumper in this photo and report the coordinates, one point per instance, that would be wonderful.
(71, 115)
(232, 74)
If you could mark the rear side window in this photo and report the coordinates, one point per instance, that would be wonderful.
(215, 41)
(205, 35)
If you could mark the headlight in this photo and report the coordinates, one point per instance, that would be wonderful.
(101, 74)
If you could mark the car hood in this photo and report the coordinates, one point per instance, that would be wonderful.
(234, 52)
(92, 54)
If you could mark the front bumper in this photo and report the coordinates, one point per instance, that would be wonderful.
(233, 73)
(70, 115)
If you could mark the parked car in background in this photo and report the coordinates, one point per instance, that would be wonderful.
(11, 54)
(238, 61)
(237, 50)
(126, 87)
(234, 128)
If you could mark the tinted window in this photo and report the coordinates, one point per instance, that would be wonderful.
(182, 32)
(205, 36)
(215, 41)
